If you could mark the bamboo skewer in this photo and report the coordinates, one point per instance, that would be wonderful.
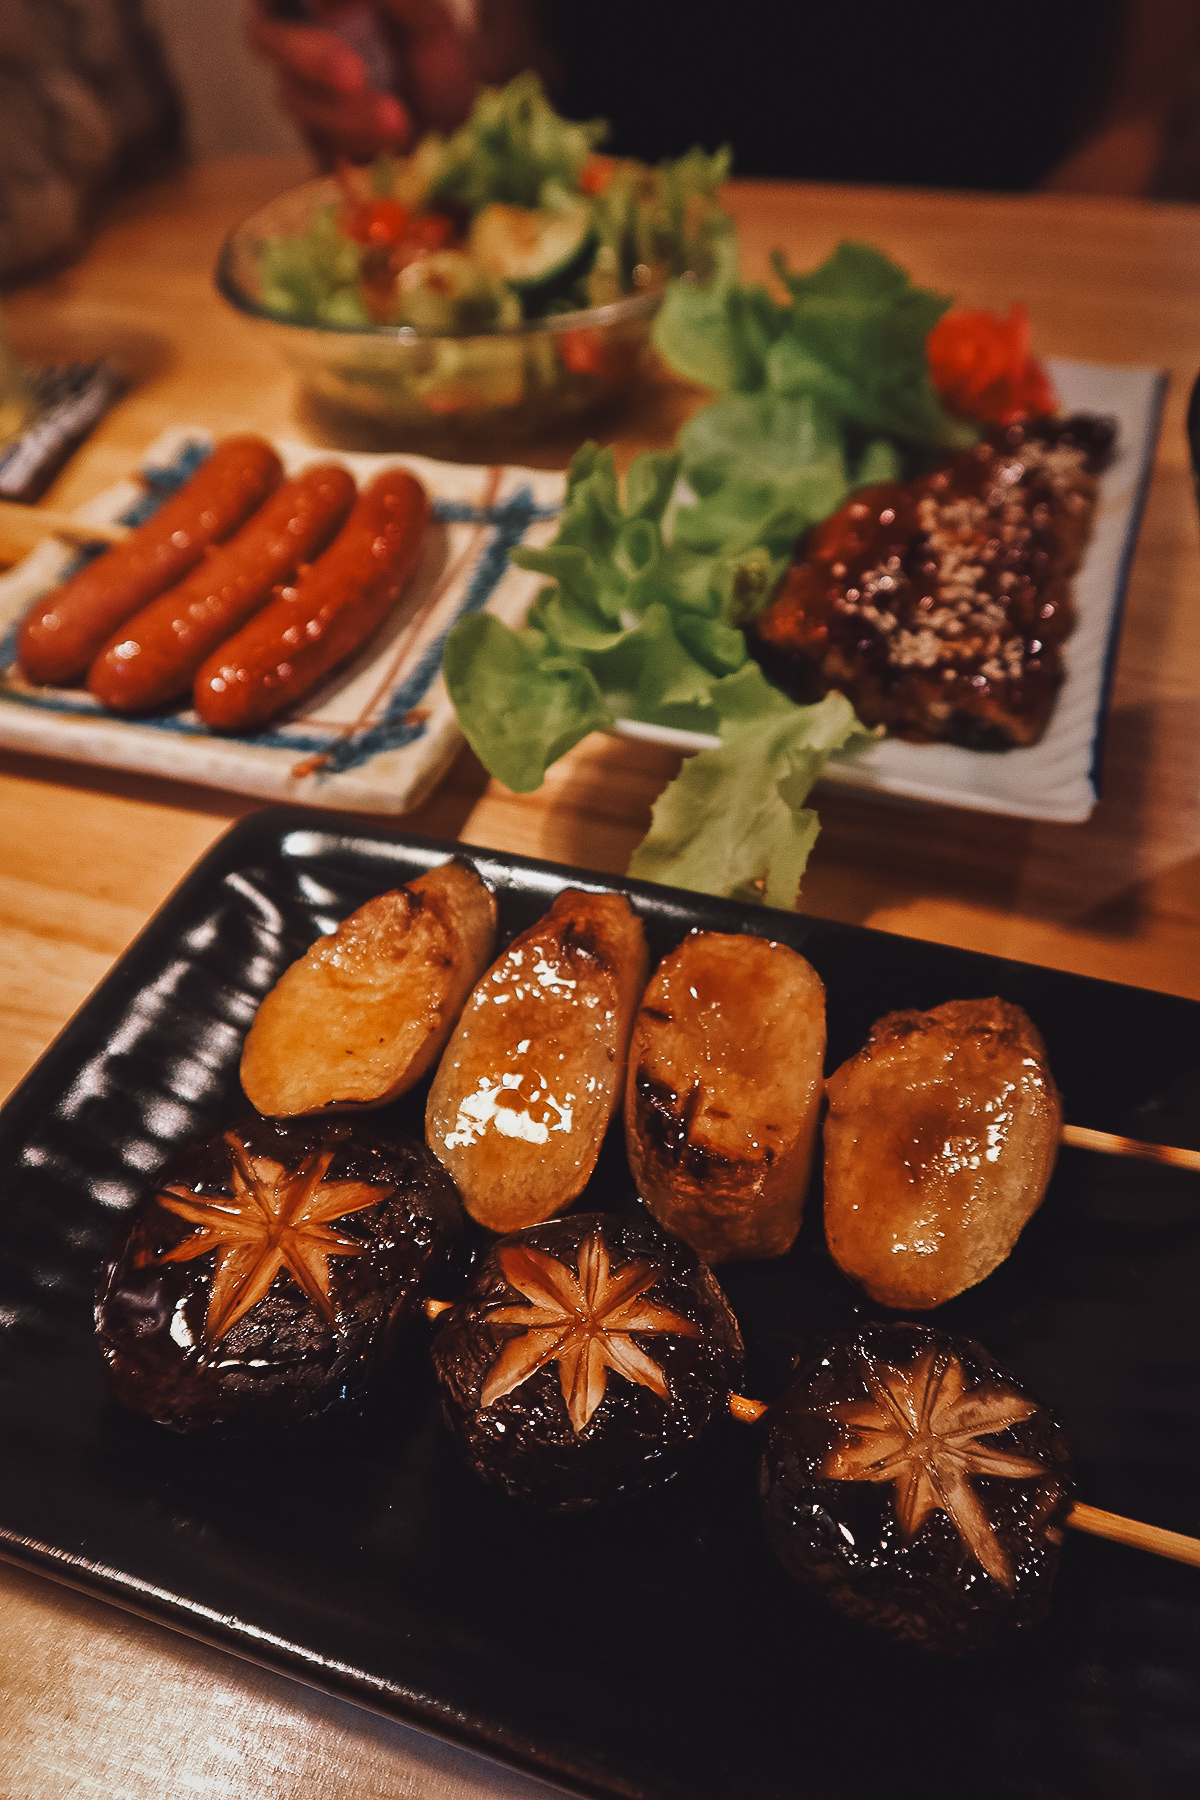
(1082, 1137)
(1173, 1544)
(23, 528)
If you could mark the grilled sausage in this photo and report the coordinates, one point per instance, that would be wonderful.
(153, 657)
(62, 633)
(333, 608)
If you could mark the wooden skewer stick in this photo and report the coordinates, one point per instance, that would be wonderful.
(1175, 1545)
(1082, 1137)
(23, 528)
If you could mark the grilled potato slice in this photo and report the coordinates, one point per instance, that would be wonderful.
(724, 1093)
(941, 1138)
(536, 1069)
(359, 1018)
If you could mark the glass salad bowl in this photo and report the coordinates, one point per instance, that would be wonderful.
(430, 384)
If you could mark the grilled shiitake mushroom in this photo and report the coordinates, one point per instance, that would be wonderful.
(365, 1012)
(586, 1355)
(724, 1094)
(940, 1140)
(270, 1270)
(536, 1069)
(918, 1487)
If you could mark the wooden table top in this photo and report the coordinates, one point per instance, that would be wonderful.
(92, 1701)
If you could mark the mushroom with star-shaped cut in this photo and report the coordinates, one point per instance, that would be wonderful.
(917, 1486)
(270, 1270)
(586, 1355)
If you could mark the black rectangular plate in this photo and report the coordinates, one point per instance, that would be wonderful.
(655, 1651)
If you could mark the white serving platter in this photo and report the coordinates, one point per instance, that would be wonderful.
(1058, 778)
(377, 736)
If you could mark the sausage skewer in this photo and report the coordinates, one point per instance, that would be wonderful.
(153, 657)
(62, 633)
(334, 606)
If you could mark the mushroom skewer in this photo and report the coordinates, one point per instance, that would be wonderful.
(1177, 1546)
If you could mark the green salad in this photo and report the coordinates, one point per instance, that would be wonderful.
(820, 389)
(514, 217)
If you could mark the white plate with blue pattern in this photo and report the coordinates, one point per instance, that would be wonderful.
(379, 733)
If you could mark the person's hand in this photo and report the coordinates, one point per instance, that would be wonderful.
(324, 88)
(325, 85)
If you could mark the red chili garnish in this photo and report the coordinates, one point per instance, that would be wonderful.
(983, 367)
(374, 222)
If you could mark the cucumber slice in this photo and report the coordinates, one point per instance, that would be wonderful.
(450, 292)
(528, 247)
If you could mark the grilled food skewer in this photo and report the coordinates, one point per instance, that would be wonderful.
(1134, 1533)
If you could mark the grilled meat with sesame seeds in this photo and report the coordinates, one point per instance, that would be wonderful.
(939, 607)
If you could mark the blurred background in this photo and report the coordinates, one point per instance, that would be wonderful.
(1075, 95)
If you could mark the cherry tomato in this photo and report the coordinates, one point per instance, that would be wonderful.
(375, 222)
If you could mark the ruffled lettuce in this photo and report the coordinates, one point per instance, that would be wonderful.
(514, 149)
(818, 393)
(734, 821)
(640, 623)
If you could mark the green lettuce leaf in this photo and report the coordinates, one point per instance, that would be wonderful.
(668, 220)
(864, 324)
(764, 467)
(634, 625)
(851, 341)
(734, 820)
(718, 332)
(640, 622)
(519, 711)
(512, 147)
(315, 275)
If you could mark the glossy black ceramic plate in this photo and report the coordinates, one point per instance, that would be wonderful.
(655, 1651)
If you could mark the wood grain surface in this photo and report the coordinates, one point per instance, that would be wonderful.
(92, 1703)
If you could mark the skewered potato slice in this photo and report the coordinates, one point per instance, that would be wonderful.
(724, 1093)
(940, 1140)
(359, 1018)
(536, 1069)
